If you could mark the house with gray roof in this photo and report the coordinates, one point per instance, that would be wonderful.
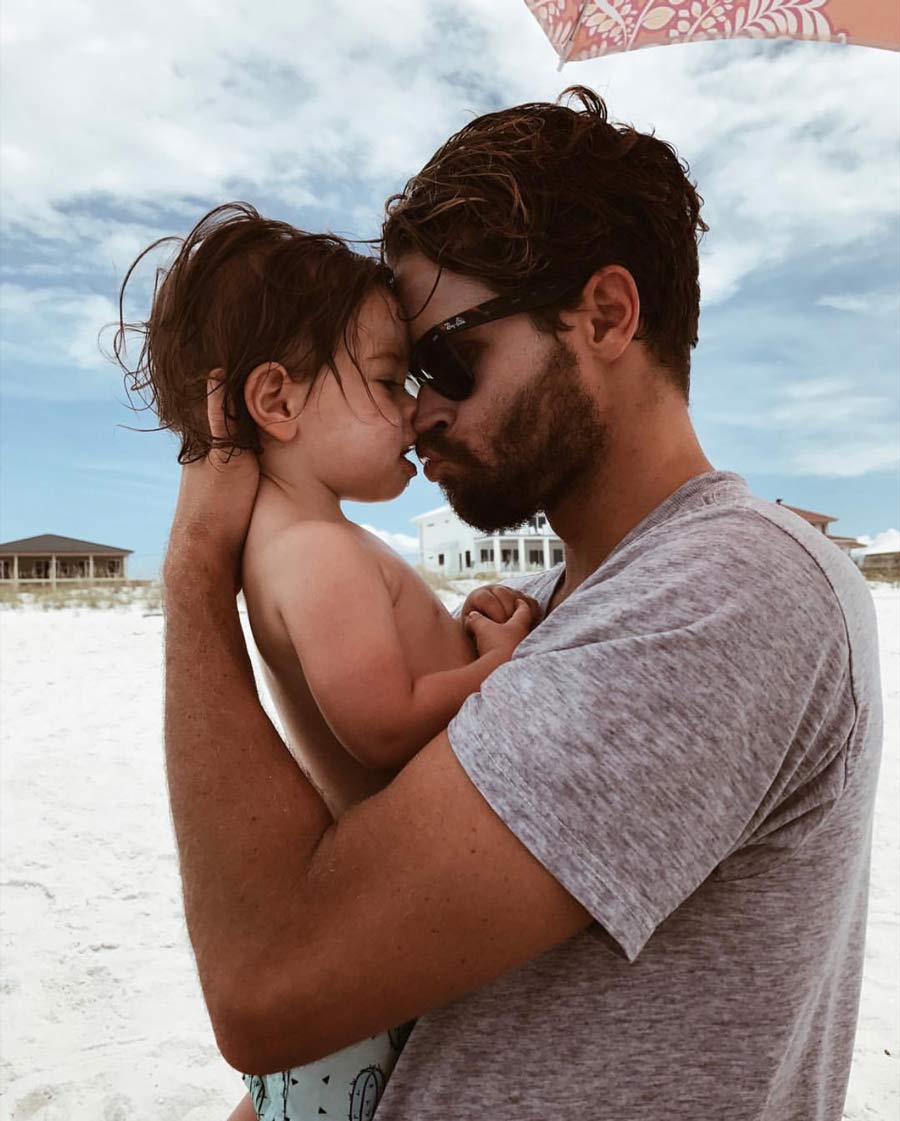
(50, 560)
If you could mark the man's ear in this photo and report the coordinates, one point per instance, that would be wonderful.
(273, 400)
(609, 313)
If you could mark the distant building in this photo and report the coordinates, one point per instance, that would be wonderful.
(821, 522)
(449, 546)
(881, 566)
(51, 559)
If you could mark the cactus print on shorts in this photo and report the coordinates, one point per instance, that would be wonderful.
(345, 1086)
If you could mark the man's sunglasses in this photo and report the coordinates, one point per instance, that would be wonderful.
(434, 362)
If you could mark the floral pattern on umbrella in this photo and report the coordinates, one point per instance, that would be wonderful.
(580, 30)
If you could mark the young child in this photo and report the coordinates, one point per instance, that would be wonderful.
(363, 662)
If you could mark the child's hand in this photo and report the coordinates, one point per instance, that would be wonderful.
(498, 603)
(500, 638)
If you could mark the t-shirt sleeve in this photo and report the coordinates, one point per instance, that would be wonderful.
(643, 732)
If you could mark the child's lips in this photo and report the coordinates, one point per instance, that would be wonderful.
(431, 461)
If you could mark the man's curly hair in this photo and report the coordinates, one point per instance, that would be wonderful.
(546, 192)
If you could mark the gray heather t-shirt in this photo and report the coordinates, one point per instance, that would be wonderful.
(689, 743)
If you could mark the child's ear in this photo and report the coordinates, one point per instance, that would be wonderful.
(272, 400)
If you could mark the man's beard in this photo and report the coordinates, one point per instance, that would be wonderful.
(550, 435)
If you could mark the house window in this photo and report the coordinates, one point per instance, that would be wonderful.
(468, 559)
(72, 569)
(557, 556)
(535, 556)
(441, 559)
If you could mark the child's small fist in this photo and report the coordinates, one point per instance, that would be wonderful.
(500, 638)
(497, 603)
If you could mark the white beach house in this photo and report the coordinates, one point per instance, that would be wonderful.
(449, 546)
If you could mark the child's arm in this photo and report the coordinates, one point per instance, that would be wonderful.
(340, 620)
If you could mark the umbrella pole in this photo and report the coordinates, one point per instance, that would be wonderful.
(570, 38)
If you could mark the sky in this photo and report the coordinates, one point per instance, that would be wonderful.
(125, 122)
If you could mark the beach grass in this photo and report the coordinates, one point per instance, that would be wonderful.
(97, 597)
(148, 594)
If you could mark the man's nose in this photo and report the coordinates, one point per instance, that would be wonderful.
(432, 410)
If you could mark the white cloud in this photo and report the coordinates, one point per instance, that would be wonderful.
(168, 100)
(402, 543)
(847, 458)
(292, 101)
(888, 541)
(145, 113)
(50, 347)
(836, 428)
(878, 303)
(826, 403)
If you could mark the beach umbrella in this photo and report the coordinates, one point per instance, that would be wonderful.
(590, 29)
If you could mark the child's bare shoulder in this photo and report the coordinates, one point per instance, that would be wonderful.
(314, 545)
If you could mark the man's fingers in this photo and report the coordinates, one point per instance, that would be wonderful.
(215, 404)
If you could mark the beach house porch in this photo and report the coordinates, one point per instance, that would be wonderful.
(49, 559)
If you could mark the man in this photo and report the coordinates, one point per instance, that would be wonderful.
(629, 881)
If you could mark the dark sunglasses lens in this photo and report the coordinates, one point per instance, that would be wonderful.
(437, 365)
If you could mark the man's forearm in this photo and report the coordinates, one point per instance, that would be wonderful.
(246, 819)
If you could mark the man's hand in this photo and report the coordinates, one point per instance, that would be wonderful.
(215, 499)
(500, 638)
(497, 603)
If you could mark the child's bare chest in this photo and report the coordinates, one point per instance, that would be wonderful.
(432, 639)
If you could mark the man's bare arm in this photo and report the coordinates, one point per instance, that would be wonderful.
(311, 934)
(232, 781)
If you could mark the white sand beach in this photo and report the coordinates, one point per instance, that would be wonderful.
(102, 1018)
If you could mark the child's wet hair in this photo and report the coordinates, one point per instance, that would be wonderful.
(242, 291)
